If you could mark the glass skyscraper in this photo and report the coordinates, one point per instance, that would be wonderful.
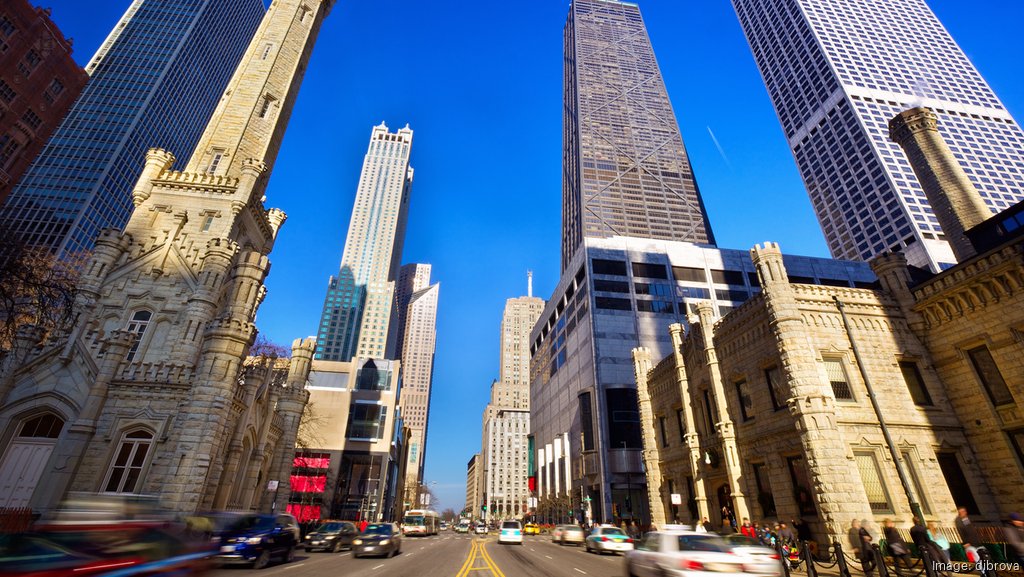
(625, 168)
(154, 82)
(837, 72)
(357, 309)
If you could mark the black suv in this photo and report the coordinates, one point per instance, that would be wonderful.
(331, 536)
(256, 538)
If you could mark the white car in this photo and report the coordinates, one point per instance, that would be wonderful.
(608, 538)
(481, 529)
(681, 553)
(511, 532)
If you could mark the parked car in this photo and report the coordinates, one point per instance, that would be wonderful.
(511, 532)
(256, 539)
(683, 553)
(331, 536)
(481, 529)
(384, 539)
(531, 529)
(608, 538)
(572, 534)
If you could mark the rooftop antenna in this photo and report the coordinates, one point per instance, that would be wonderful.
(529, 283)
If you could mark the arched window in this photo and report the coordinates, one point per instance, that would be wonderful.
(129, 460)
(138, 325)
(45, 426)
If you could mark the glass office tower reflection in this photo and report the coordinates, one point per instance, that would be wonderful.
(837, 72)
(154, 82)
(625, 168)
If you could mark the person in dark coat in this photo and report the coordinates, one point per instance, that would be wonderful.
(867, 557)
(919, 534)
(968, 532)
(1015, 539)
(897, 546)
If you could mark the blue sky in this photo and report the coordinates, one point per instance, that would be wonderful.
(480, 83)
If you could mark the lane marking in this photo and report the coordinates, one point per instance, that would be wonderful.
(548, 556)
(469, 558)
(292, 567)
(495, 572)
(580, 570)
(377, 567)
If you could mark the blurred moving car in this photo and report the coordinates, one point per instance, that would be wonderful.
(511, 532)
(556, 533)
(462, 528)
(531, 529)
(481, 529)
(608, 538)
(331, 536)
(93, 548)
(256, 539)
(681, 553)
(743, 545)
(378, 539)
(573, 534)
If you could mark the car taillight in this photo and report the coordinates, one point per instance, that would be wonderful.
(775, 556)
(629, 540)
(691, 565)
(603, 538)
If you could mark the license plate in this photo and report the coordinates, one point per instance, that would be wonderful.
(227, 548)
(722, 567)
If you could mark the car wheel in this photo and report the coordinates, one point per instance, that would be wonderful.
(355, 555)
(336, 547)
(262, 561)
(289, 555)
(391, 553)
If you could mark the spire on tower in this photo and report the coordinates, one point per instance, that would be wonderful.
(529, 283)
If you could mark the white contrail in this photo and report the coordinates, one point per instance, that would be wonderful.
(720, 149)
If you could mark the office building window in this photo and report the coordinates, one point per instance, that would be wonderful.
(988, 373)
(587, 422)
(915, 384)
(837, 378)
(871, 478)
(746, 403)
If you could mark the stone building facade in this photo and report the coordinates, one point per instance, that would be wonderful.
(149, 393)
(765, 410)
(38, 83)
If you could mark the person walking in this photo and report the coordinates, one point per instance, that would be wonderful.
(853, 538)
(1014, 533)
(940, 540)
(968, 532)
(897, 546)
(867, 556)
(747, 530)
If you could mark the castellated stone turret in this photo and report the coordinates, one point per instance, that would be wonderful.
(157, 360)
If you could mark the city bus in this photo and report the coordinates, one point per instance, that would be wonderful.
(421, 522)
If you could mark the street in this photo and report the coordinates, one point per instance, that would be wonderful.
(448, 555)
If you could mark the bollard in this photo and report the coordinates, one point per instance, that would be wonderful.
(805, 552)
(876, 552)
(844, 569)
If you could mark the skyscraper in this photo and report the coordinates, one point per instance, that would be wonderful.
(411, 278)
(625, 168)
(38, 82)
(420, 337)
(154, 82)
(357, 308)
(837, 72)
(506, 420)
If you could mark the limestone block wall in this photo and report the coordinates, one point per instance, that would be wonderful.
(981, 304)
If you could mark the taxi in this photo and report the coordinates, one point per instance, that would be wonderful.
(531, 529)
(608, 539)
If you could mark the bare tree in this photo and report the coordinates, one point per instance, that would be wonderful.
(449, 515)
(310, 426)
(35, 288)
(264, 347)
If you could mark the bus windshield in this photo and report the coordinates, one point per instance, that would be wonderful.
(413, 520)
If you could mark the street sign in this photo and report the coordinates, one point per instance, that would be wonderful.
(272, 485)
(677, 499)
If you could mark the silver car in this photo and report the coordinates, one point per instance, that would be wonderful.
(680, 553)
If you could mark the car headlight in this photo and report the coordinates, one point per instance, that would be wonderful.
(384, 541)
(357, 542)
(331, 537)
(254, 540)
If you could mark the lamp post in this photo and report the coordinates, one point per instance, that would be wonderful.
(915, 506)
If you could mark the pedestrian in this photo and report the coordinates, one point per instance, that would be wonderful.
(853, 538)
(746, 529)
(699, 526)
(786, 535)
(727, 528)
(940, 540)
(968, 532)
(708, 527)
(1015, 540)
(362, 526)
(897, 546)
(867, 557)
